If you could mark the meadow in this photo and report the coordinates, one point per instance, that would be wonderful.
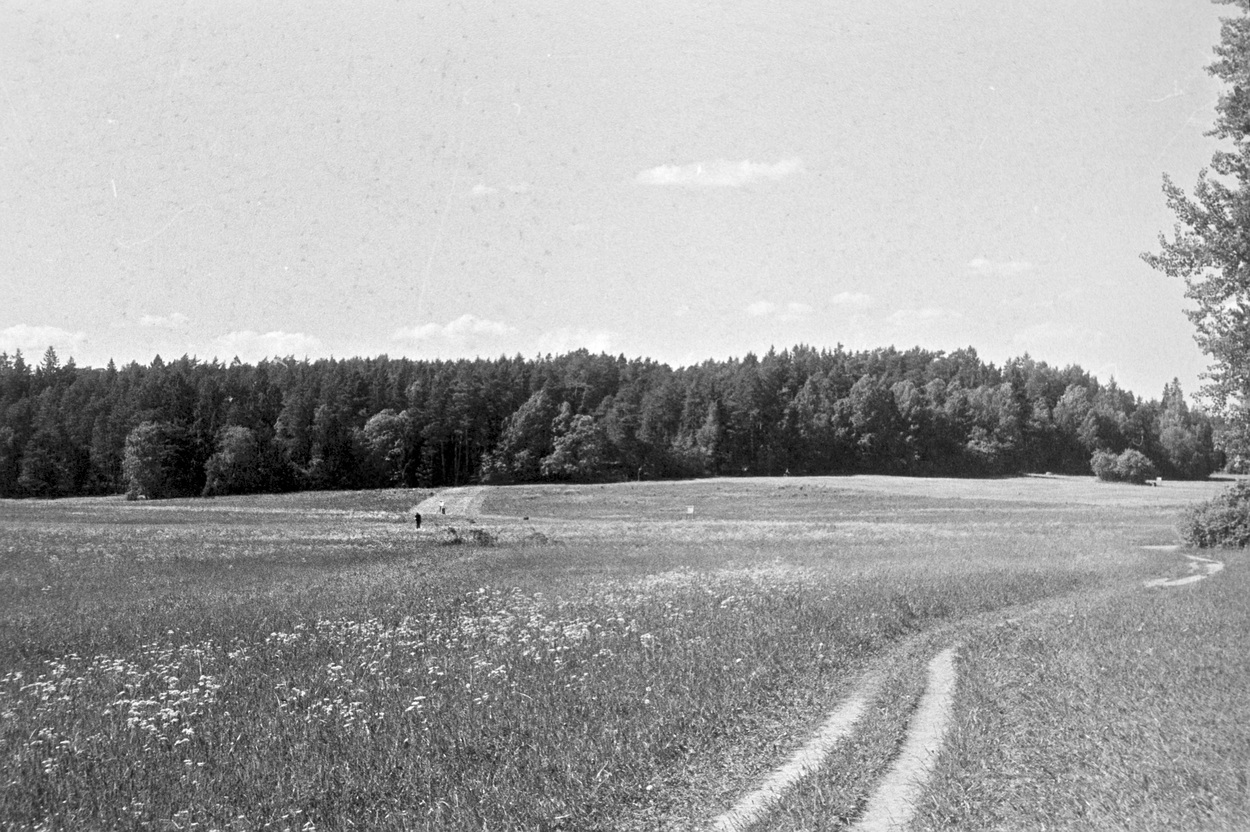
(619, 657)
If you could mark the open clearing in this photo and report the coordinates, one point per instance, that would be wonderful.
(630, 657)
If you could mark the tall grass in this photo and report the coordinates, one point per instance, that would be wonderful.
(1118, 711)
(494, 709)
(261, 664)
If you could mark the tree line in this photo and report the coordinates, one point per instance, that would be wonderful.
(190, 427)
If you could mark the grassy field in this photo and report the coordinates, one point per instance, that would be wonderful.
(601, 658)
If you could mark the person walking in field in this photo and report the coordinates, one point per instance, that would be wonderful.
(416, 516)
(442, 507)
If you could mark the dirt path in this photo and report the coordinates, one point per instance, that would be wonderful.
(894, 802)
(458, 502)
(806, 760)
(1201, 567)
(900, 788)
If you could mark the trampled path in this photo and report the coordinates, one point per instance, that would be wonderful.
(894, 798)
(892, 803)
(808, 759)
(457, 502)
(1199, 567)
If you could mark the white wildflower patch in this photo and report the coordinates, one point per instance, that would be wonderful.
(151, 702)
(491, 679)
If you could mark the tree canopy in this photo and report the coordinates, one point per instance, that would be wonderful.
(190, 427)
(1210, 244)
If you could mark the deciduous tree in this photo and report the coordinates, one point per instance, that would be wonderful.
(159, 462)
(1210, 244)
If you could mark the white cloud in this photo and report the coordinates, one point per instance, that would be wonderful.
(33, 341)
(460, 329)
(175, 320)
(999, 268)
(789, 312)
(465, 337)
(252, 346)
(567, 339)
(856, 300)
(719, 173)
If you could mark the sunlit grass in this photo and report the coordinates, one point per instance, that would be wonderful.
(1113, 711)
(269, 663)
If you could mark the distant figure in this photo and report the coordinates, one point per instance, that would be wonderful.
(442, 507)
(416, 516)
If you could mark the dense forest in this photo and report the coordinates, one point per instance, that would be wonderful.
(190, 427)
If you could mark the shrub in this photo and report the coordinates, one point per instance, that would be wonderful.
(1134, 466)
(481, 537)
(1221, 521)
(1130, 466)
(1103, 465)
(448, 536)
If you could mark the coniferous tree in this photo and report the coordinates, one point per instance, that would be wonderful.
(288, 424)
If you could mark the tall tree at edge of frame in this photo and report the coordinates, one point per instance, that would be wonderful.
(1210, 248)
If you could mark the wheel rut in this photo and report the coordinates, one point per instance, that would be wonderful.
(893, 799)
(1199, 567)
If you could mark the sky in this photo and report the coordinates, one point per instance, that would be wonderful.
(679, 180)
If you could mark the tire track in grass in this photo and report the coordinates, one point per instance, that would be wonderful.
(834, 796)
(1201, 567)
(891, 805)
(801, 811)
(752, 808)
(894, 802)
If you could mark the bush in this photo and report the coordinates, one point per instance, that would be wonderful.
(1222, 521)
(481, 537)
(448, 536)
(1103, 465)
(1130, 466)
(1134, 466)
